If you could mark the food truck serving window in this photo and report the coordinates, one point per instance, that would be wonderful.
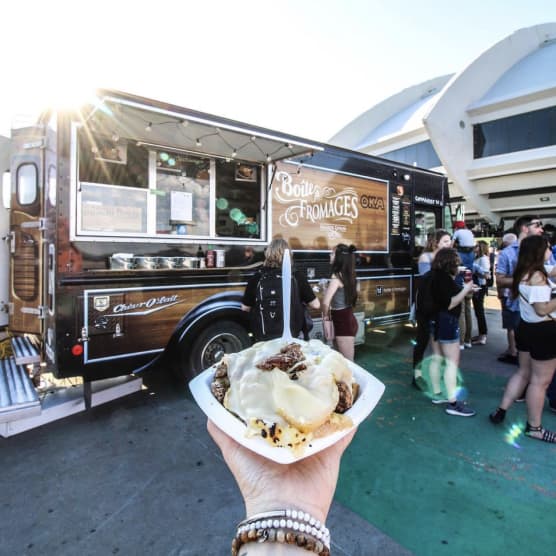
(130, 189)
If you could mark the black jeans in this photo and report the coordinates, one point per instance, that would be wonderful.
(479, 308)
(421, 339)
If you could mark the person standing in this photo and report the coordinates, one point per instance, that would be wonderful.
(525, 226)
(464, 243)
(272, 266)
(503, 294)
(481, 274)
(340, 298)
(534, 336)
(436, 241)
(448, 297)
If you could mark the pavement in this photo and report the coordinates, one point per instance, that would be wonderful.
(136, 476)
(140, 475)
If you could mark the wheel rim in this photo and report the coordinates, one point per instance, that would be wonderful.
(219, 345)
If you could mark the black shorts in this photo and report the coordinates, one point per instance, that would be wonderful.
(345, 323)
(537, 338)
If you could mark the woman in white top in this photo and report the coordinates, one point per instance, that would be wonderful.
(481, 273)
(535, 336)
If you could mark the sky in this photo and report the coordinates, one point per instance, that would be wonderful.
(304, 67)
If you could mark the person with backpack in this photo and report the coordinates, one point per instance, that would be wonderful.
(340, 298)
(447, 297)
(263, 297)
(438, 240)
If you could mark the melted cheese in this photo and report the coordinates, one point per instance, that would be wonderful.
(303, 405)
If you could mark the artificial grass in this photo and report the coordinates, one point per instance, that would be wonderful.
(439, 484)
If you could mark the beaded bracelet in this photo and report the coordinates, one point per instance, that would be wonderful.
(284, 526)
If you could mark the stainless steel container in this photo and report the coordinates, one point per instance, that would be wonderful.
(122, 261)
(191, 262)
(147, 263)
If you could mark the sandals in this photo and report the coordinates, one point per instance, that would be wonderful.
(540, 433)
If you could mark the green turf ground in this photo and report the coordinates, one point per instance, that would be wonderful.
(439, 484)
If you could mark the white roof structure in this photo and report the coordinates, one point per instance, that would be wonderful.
(492, 127)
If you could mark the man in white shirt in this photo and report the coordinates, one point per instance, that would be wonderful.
(464, 242)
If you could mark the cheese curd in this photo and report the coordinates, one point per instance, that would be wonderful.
(269, 400)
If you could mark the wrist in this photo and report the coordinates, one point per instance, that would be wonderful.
(280, 528)
(260, 506)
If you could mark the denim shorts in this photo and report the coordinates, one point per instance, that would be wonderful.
(446, 328)
(510, 319)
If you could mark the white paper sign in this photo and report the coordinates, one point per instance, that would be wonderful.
(181, 206)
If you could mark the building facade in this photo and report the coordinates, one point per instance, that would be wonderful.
(491, 128)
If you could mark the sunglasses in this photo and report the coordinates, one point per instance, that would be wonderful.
(536, 223)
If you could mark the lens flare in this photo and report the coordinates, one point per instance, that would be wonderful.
(433, 369)
(513, 433)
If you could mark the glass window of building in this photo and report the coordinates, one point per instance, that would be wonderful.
(420, 154)
(531, 130)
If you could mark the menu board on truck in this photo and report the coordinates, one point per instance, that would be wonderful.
(316, 209)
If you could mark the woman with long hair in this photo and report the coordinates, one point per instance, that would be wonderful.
(340, 298)
(439, 239)
(447, 297)
(481, 273)
(534, 336)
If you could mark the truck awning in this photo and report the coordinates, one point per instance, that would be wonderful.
(179, 129)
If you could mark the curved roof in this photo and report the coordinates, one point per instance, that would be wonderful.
(408, 119)
(400, 113)
(526, 76)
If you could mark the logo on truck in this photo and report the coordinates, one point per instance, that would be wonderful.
(314, 203)
(146, 307)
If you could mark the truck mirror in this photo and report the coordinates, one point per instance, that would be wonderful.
(6, 189)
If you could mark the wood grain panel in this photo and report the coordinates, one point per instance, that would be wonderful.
(317, 209)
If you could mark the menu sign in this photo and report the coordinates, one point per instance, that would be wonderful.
(400, 216)
(317, 209)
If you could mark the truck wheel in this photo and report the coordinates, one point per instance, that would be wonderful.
(213, 342)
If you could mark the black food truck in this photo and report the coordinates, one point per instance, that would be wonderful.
(135, 224)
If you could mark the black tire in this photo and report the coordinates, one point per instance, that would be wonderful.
(212, 343)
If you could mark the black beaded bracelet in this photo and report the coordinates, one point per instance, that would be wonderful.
(285, 536)
(284, 526)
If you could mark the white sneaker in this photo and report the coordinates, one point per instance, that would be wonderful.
(462, 347)
(468, 345)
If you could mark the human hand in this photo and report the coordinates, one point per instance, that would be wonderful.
(307, 485)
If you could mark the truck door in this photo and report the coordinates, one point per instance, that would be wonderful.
(26, 251)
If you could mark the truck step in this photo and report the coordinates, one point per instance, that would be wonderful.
(18, 397)
(25, 350)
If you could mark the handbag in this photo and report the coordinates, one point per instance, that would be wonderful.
(328, 328)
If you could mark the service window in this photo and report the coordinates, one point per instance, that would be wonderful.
(131, 189)
(182, 194)
(238, 199)
(112, 161)
(425, 225)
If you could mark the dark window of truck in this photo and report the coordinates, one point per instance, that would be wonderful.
(112, 160)
(27, 189)
(182, 194)
(238, 199)
(531, 130)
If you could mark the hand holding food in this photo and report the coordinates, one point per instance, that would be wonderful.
(288, 394)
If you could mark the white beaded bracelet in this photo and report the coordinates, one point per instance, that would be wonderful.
(280, 518)
(284, 526)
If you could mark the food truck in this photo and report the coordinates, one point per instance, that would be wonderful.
(134, 226)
